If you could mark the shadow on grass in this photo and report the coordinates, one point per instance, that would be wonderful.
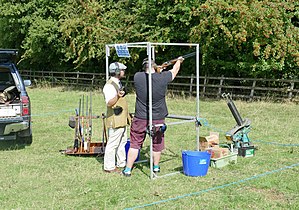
(11, 145)
(143, 161)
(167, 155)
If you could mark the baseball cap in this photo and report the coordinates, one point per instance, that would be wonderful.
(116, 65)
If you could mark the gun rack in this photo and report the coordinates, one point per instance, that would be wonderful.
(82, 125)
(83, 145)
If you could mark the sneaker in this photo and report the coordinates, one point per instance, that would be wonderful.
(157, 169)
(127, 174)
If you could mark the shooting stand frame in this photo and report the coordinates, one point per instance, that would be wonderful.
(150, 47)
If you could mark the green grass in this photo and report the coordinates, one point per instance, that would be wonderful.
(40, 177)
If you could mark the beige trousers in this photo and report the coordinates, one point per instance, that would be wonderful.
(115, 153)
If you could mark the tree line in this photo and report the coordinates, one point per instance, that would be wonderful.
(246, 38)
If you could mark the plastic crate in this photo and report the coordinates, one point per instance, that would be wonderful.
(223, 161)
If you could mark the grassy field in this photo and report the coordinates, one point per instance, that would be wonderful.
(40, 177)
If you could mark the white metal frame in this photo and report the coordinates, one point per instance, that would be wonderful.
(150, 47)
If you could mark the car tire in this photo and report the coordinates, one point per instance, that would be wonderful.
(25, 140)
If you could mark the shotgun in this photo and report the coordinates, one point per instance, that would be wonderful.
(86, 143)
(172, 62)
(105, 138)
(82, 124)
(90, 119)
(76, 141)
(79, 125)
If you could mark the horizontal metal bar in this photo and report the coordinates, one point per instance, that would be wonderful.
(180, 122)
(141, 161)
(176, 44)
(153, 43)
(181, 117)
(175, 123)
(129, 44)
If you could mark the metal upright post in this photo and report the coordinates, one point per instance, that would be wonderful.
(197, 94)
(153, 53)
(149, 53)
(107, 61)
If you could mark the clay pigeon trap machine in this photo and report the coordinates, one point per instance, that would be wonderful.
(238, 135)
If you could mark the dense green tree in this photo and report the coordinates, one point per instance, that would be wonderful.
(87, 26)
(241, 38)
(237, 38)
(33, 28)
(163, 21)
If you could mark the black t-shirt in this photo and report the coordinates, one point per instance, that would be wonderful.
(159, 88)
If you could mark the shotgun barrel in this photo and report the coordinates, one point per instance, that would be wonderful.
(172, 62)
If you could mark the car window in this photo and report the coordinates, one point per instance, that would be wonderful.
(5, 78)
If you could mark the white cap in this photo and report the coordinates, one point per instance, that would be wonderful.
(116, 66)
(122, 66)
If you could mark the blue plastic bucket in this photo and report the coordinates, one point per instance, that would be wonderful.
(195, 163)
(127, 150)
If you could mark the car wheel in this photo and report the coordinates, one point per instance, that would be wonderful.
(26, 140)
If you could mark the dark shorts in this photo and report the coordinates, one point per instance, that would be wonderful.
(138, 134)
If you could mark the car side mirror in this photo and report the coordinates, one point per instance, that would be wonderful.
(27, 82)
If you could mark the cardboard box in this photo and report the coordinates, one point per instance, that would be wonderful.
(218, 152)
(210, 141)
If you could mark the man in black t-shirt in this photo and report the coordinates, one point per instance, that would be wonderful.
(159, 111)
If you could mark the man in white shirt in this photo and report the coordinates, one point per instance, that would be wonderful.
(117, 119)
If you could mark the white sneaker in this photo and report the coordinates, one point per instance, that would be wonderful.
(156, 170)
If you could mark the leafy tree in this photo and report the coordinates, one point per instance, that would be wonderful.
(163, 21)
(241, 38)
(237, 38)
(32, 27)
(87, 26)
